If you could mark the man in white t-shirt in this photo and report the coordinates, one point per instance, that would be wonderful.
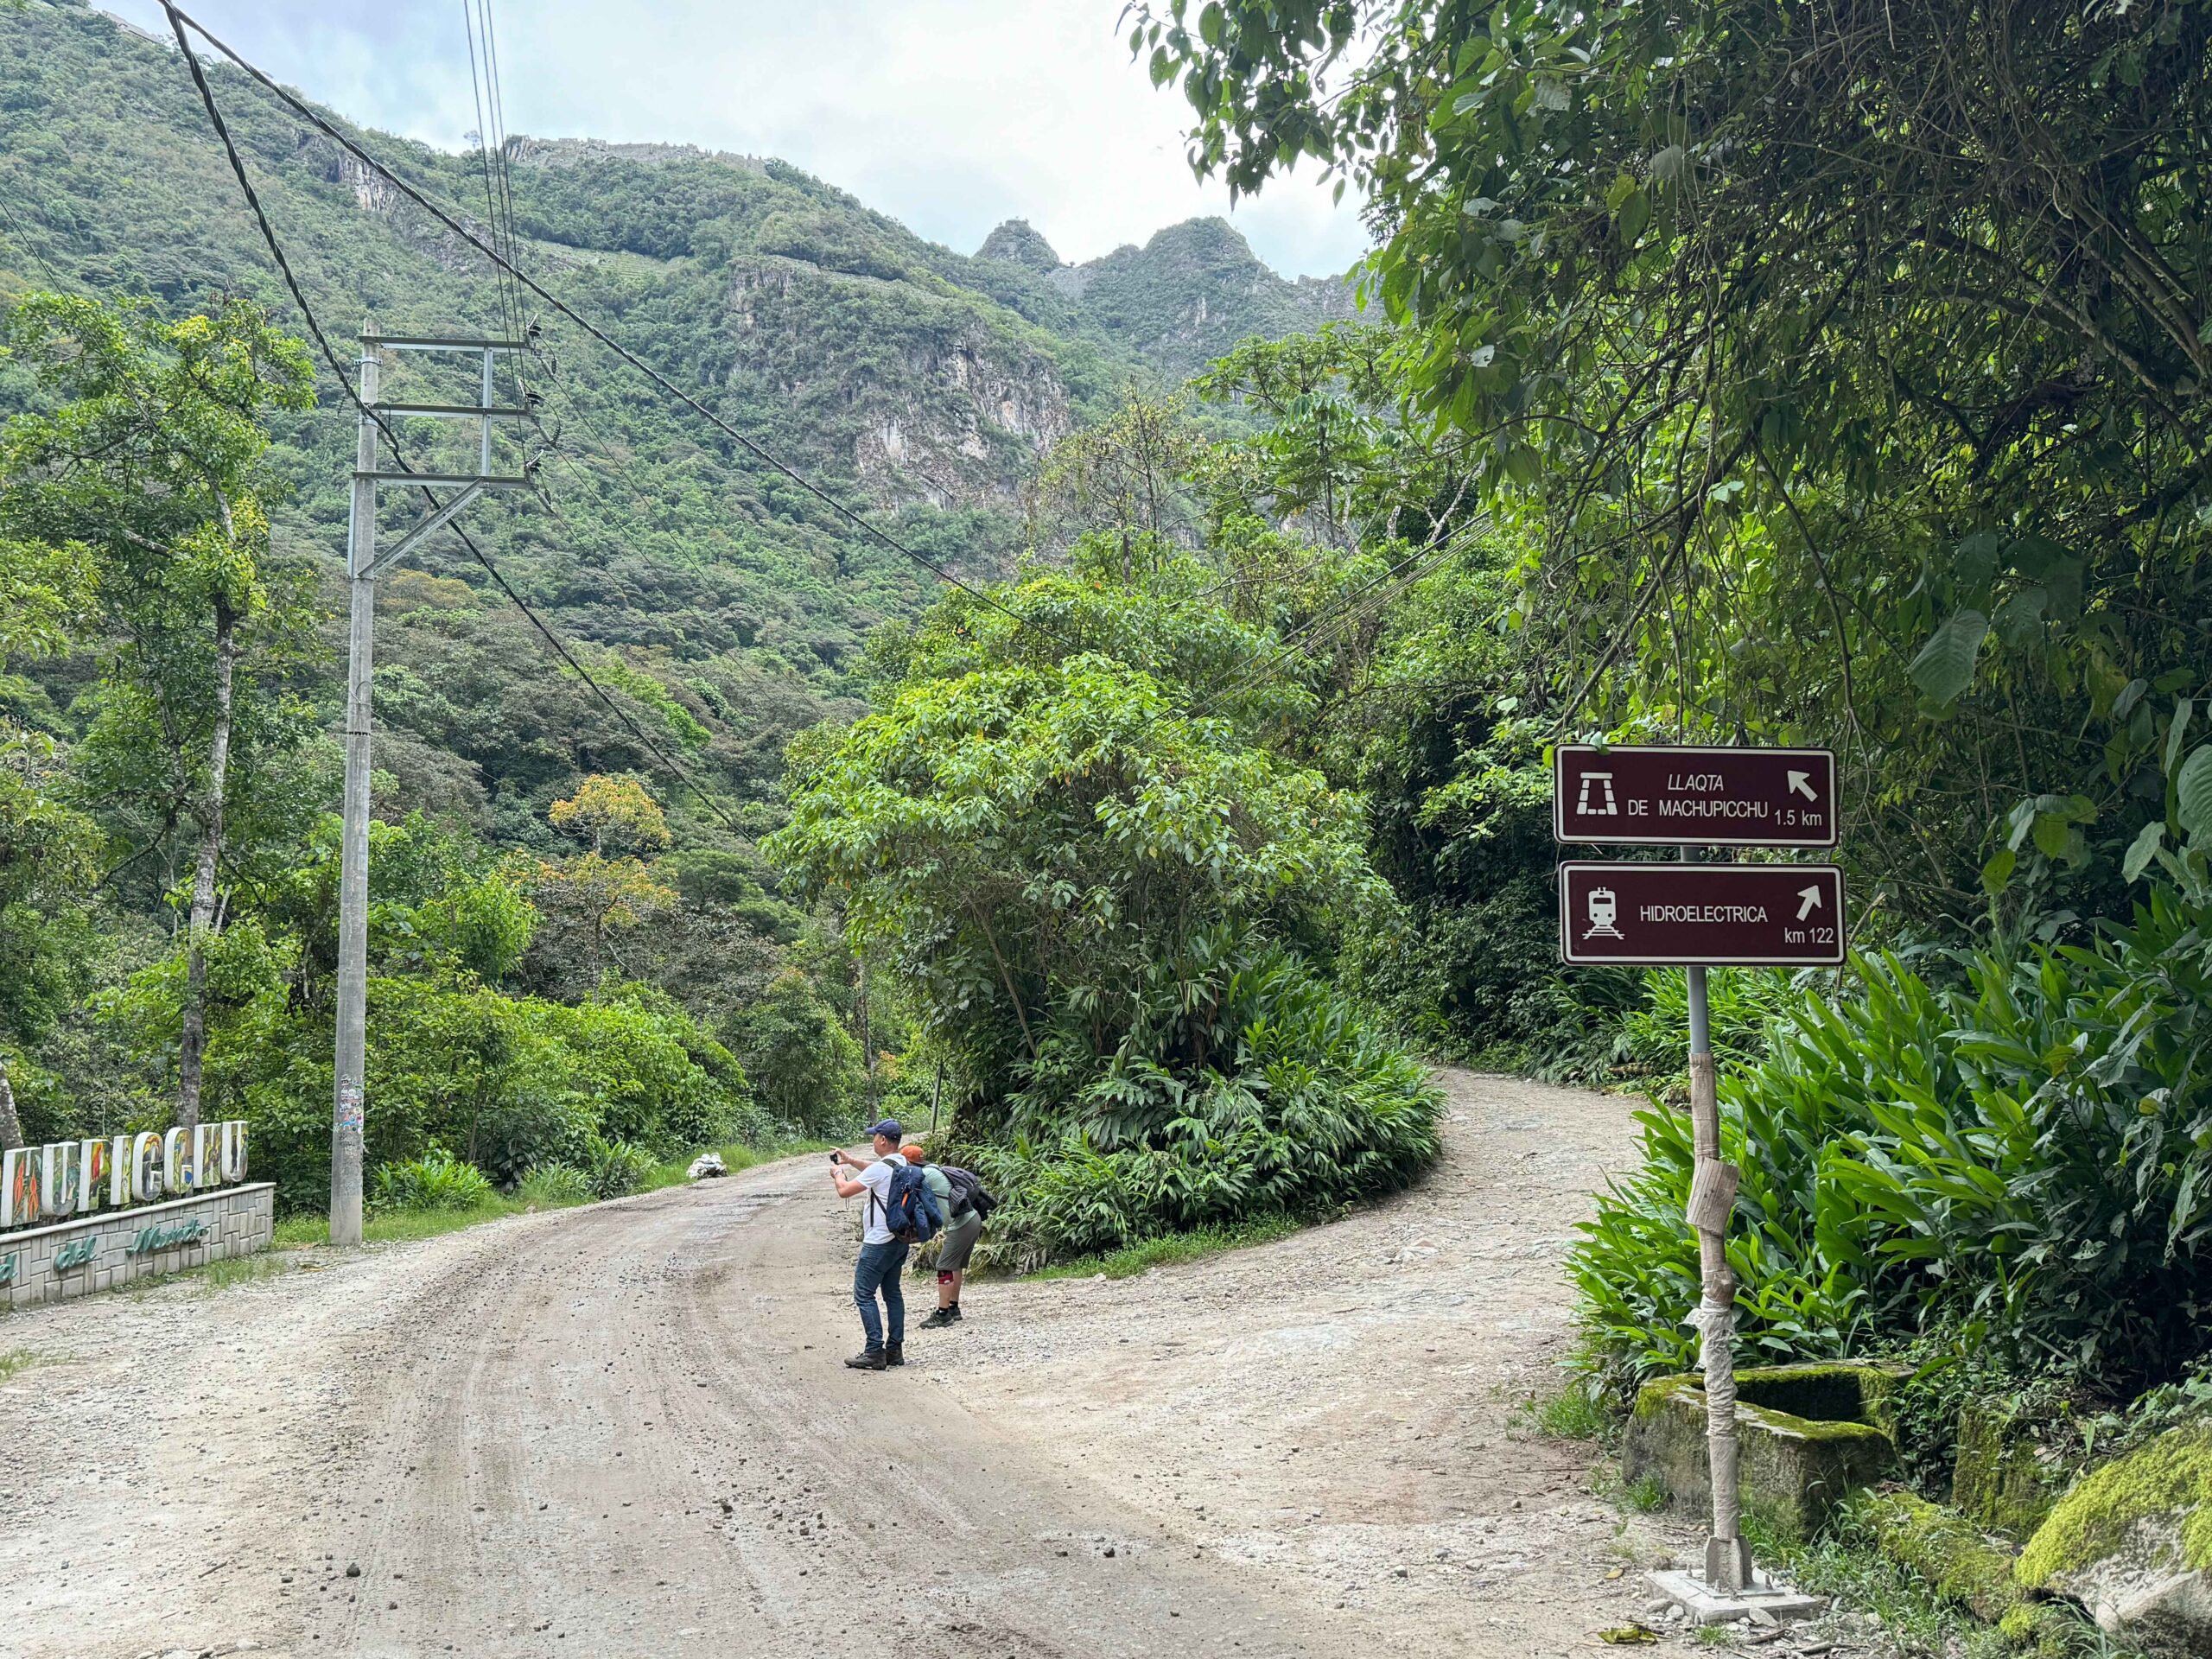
(882, 1258)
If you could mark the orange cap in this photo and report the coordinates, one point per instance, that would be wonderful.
(914, 1154)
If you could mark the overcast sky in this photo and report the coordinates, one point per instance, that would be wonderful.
(949, 115)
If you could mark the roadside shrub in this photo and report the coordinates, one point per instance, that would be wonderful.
(613, 1168)
(2026, 1156)
(436, 1180)
(1743, 1003)
(1303, 1108)
(506, 1082)
(555, 1186)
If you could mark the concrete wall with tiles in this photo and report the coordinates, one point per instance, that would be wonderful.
(112, 1247)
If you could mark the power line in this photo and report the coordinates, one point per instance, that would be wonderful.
(180, 18)
(322, 340)
(499, 284)
(491, 150)
(499, 99)
(30, 247)
(765, 456)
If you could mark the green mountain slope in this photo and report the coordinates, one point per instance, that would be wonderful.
(916, 383)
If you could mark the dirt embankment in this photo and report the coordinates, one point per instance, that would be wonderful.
(627, 1430)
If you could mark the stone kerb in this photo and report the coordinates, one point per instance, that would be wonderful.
(107, 1248)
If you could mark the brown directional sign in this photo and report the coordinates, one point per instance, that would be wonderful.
(1646, 797)
(1714, 915)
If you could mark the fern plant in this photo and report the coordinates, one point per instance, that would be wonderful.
(2026, 1156)
(436, 1180)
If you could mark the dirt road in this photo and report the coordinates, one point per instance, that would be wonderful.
(626, 1430)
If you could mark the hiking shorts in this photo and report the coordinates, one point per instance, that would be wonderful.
(959, 1243)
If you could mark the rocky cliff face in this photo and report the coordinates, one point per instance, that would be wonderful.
(931, 403)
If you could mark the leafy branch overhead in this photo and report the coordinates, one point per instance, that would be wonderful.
(1853, 363)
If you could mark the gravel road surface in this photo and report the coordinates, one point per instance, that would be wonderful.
(627, 1430)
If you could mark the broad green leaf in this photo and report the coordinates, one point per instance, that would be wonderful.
(2020, 617)
(2193, 793)
(1944, 667)
(1976, 565)
(2144, 849)
(2177, 732)
(1631, 216)
(2051, 830)
(1997, 872)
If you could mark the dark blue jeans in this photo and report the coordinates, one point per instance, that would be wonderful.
(878, 1268)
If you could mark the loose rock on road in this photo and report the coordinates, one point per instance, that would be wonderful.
(627, 1430)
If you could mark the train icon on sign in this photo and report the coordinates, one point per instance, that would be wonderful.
(1605, 910)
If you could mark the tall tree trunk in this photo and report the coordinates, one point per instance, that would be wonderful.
(867, 1037)
(11, 1126)
(191, 1047)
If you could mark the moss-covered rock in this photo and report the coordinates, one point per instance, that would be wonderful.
(1946, 1551)
(2002, 1479)
(2132, 1542)
(1960, 1563)
(1793, 1469)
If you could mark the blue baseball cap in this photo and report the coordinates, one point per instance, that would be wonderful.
(889, 1127)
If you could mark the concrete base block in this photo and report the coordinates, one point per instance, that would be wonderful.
(1727, 1564)
(1808, 1436)
(1764, 1600)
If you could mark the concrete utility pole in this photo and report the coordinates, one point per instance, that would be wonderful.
(363, 562)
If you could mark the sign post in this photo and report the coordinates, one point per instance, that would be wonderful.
(1698, 916)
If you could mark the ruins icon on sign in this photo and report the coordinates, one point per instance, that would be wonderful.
(1602, 805)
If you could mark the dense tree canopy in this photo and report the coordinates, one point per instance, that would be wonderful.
(1846, 365)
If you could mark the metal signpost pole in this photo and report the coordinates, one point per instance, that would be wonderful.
(1712, 1191)
(1698, 916)
(353, 855)
(349, 1078)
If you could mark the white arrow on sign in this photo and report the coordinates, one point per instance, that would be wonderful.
(1802, 783)
(1812, 898)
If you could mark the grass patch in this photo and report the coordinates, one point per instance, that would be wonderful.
(1575, 1412)
(17, 1360)
(1645, 1497)
(1846, 1565)
(238, 1270)
(734, 1158)
(1169, 1249)
(388, 1226)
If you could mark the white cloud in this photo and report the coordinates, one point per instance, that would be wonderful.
(949, 115)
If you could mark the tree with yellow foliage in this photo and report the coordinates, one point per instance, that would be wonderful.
(609, 890)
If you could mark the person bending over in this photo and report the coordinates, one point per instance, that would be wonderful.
(963, 1223)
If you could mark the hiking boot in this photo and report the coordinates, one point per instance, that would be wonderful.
(870, 1361)
(939, 1319)
(894, 1353)
(957, 1314)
